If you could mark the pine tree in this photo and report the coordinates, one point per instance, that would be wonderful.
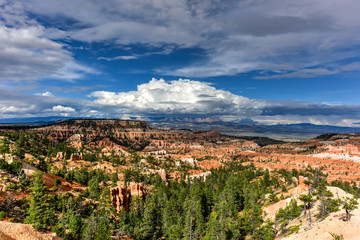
(90, 227)
(103, 230)
(4, 146)
(41, 213)
(73, 219)
(170, 217)
(307, 199)
(223, 222)
(349, 204)
(151, 220)
(194, 219)
(94, 188)
(74, 223)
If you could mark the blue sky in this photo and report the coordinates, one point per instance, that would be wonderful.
(273, 61)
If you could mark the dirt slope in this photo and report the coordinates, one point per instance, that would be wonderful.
(332, 224)
(18, 231)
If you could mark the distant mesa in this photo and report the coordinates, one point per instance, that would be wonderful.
(133, 135)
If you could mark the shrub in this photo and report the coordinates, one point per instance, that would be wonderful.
(2, 215)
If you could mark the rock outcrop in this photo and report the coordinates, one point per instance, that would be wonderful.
(122, 195)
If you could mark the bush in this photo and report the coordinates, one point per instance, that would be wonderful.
(11, 187)
(294, 229)
(2, 215)
(56, 182)
(25, 182)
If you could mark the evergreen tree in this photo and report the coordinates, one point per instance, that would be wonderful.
(151, 220)
(41, 213)
(223, 223)
(170, 218)
(103, 230)
(4, 147)
(194, 219)
(287, 214)
(307, 199)
(74, 223)
(349, 204)
(73, 219)
(94, 188)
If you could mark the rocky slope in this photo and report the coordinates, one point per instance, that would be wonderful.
(131, 134)
(101, 128)
(337, 154)
(18, 231)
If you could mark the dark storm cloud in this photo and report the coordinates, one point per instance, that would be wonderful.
(311, 109)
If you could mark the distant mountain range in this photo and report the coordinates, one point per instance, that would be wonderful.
(33, 120)
(246, 127)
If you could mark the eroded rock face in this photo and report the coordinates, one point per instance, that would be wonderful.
(121, 195)
(112, 133)
(76, 156)
(89, 129)
(105, 132)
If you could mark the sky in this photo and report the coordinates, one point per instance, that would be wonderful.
(275, 62)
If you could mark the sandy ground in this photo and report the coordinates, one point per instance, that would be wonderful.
(332, 224)
(18, 231)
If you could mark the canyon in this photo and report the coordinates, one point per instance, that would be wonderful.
(132, 152)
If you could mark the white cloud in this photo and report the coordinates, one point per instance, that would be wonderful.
(119, 58)
(15, 104)
(181, 96)
(185, 98)
(45, 94)
(27, 52)
(25, 55)
(71, 71)
(16, 109)
(60, 108)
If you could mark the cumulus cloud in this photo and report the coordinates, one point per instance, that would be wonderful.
(181, 96)
(194, 98)
(60, 108)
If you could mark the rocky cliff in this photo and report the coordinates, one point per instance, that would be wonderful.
(121, 195)
(132, 134)
(92, 128)
(128, 133)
